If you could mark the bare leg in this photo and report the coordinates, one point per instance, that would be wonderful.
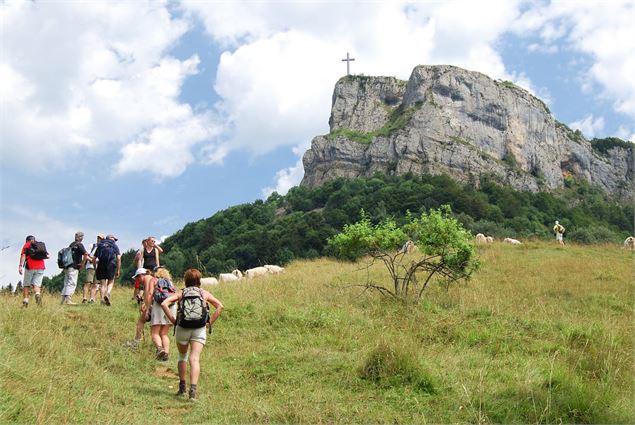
(182, 364)
(156, 336)
(195, 366)
(165, 339)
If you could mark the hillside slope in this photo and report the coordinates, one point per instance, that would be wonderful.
(541, 334)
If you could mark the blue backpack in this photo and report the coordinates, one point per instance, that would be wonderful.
(163, 290)
(65, 257)
(106, 251)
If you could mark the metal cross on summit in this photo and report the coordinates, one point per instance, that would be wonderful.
(348, 63)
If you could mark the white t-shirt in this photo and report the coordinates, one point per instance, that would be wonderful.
(89, 264)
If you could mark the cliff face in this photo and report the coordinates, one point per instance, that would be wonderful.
(445, 119)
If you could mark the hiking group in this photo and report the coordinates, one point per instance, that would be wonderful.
(161, 304)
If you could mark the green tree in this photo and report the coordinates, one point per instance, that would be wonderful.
(445, 251)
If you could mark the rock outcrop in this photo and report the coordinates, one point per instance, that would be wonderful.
(449, 120)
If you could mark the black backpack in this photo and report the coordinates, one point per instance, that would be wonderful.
(163, 290)
(106, 251)
(37, 250)
(193, 310)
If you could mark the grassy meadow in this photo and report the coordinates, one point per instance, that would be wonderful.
(541, 334)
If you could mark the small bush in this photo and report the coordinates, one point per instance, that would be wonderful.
(390, 366)
(593, 234)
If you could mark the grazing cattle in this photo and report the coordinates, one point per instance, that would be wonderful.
(230, 277)
(512, 241)
(480, 238)
(209, 281)
(273, 269)
(255, 272)
(629, 243)
(408, 248)
(489, 239)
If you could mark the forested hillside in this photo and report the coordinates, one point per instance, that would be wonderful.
(298, 224)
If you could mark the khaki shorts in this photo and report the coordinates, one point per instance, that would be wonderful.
(157, 316)
(184, 335)
(90, 276)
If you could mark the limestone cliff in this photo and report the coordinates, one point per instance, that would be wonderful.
(449, 120)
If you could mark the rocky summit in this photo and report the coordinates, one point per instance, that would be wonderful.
(447, 120)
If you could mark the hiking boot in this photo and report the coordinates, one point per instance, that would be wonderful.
(193, 394)
(162, 355)
(68, 301)
(182, 389)
(25, 303)
(91, 301)
(38, 299)
(107, 300)
(84, 301)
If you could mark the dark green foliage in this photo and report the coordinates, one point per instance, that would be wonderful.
(297, 225)
(604, 145)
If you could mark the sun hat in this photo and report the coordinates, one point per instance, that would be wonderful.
(113, 237)
(100, 236)
(140, 271)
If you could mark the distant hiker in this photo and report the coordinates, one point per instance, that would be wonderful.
(559, 229)
(108, 266)
(193, 316)
(144, 278)
(91, 283)
(32, 257)
(71, 270)
(147, 258)
(157, 289)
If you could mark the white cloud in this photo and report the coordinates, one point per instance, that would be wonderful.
(286, 179)
(588, 125)
(602, 30)
(626, 133)
(276, 83)
(93, 78)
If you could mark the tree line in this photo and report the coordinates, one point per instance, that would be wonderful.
(298, 224)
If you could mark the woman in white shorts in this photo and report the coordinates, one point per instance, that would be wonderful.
(159, 323)
(191, 338)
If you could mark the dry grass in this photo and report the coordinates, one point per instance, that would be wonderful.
(541, 334)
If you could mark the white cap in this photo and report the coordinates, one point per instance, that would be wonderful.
(140, 271)
(556, 221)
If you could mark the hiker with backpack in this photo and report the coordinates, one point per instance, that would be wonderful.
(191, 320)
(142, 277)
(108, 266)
(91, 283)
(157, 289)
(78, 255)
(32, 259)
(559, 229)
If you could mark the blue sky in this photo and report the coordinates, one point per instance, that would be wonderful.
(136, 118)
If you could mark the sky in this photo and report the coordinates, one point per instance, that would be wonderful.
(136, 118)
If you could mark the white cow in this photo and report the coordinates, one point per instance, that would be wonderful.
(512, 241)
(273, 269)
(209, 281)
(256, 272)
(408, 248)
(480, 238)
(489, 239)
(234, 276)
(629, 243)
